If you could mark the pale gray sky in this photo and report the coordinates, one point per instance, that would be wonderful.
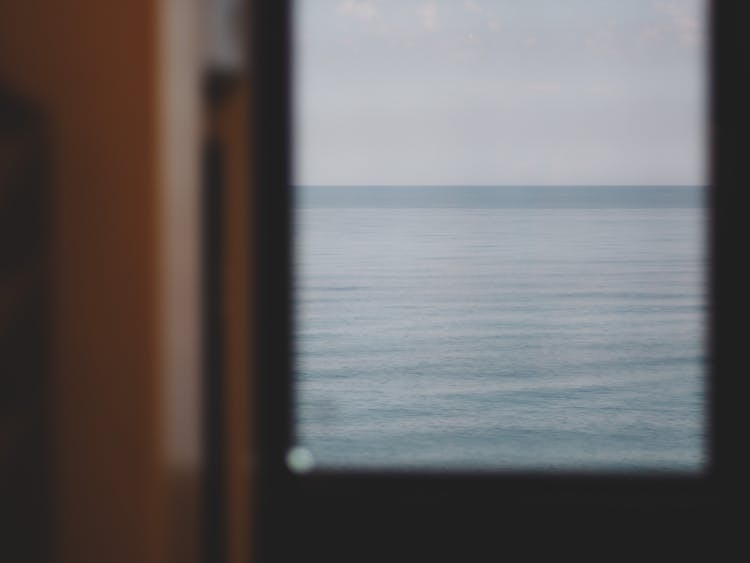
(501, 92)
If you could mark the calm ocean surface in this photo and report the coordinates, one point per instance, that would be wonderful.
(479, 328)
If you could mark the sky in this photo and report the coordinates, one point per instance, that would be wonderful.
(499, 92)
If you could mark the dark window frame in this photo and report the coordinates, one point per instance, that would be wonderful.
(383, 516)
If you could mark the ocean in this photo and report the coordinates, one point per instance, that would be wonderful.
(539, 329)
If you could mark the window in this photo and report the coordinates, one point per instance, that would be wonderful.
(353, 514)
(499, 235)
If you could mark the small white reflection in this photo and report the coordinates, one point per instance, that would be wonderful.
(299, 460)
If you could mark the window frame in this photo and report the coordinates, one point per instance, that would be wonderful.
(333, 514)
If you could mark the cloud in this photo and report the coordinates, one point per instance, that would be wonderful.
(684, 19)
(472, 6)
(602, 40)
(364, 10)
(651, 35)
(428, 16)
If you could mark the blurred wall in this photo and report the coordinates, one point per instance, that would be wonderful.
(230, 124)
(118, 85)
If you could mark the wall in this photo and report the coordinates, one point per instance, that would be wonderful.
(118, 82)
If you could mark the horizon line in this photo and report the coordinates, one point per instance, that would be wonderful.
(705, 185)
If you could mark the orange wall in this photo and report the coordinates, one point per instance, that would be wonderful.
(120, 85)
(92, 66)
(230, 123)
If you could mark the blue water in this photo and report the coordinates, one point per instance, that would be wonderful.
(481, 328)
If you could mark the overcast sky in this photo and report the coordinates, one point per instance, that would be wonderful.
(500, 92)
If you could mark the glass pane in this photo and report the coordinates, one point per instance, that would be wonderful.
(500, 226)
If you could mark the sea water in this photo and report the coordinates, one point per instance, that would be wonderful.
(501, 328)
